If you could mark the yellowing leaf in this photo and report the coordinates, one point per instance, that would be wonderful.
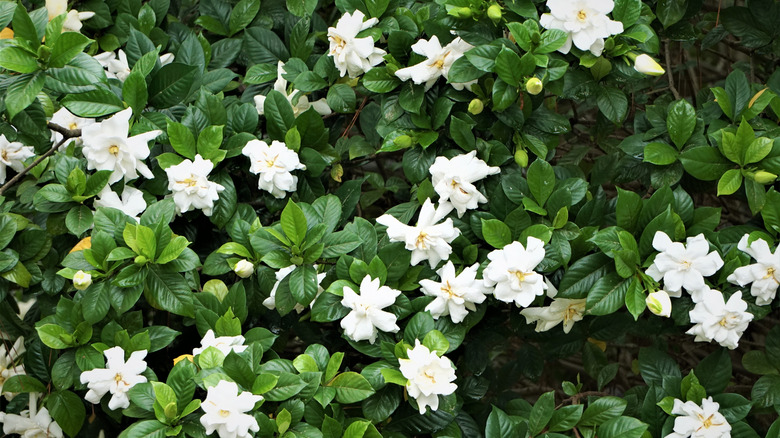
(85, 243)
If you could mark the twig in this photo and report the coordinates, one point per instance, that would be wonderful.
(67, 134)
(669, 73)
(354, 118)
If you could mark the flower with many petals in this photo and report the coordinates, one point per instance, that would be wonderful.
(511, 270)
(32, 423)
(68, 120)
(561, 310)
(453, 179)
(270, 302)
(427, 240)
(191, 187)
(108, 147)
(225, 344)
(116, 64)
(764, 274)
(117, 377)
(699, 421)
(367, 316)
(352, 55)
(131, 203)
(13, 154)
(428, 376)
(455, 295)
(8, 362)
(683, 266)
(438, 62)
(298, 100)
(719, 320)
(274, 164)
(74, 18)
(585, 22)
(224, 411)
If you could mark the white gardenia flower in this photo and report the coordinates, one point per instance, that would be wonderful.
(68, 120)
(429, 376)
(274, 164)
(270, 302)
(244, 268)
(561, 310)
(131, 203)
(8, 360)
(659, 303)
(299, 101)
(82, 280)
(191, 187)
(225, 344)
(31, 424)
(699, 421)
(73, 21)
(764, 274)
(454, 180)
(438, 64)
(367, 316)
(116, 65)
(427, 240)
(683, 266)
(646, 65)
(117, 378)
(511, 270)
(107, 147)
(718, 320)
(13, 154)
(585, 21)
(455, 295)
(224, 411)
(352, 55)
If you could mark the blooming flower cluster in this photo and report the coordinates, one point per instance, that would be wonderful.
(225, 344)
(699, 421)
(131, 203)
(764, 274)
(191, 187)
(353, 56)
(456, 295)
(299, 101)
(511, 271)
(438, 62)
(274, 164)
(13, 154)
(116, 65)
(453, 179)
(224, 411)
(367, 317)
(428, 376)
(73, 19)
(585, 22)
(31, 423)
(68, 120)
(117, 377)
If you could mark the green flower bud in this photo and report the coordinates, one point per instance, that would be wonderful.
(764, 177)
(66, 338)
(297, 260)
(534, 86)
(462, 12)
(140, 260)
(82, 280)
(476, 106)
(403, 141)
(521, 157)
(494, 12)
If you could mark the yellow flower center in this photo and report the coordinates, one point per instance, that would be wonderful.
(190, 182)
(73, 126)
(520, 275)
(582, 15)
(447, 289)
(422, 240)
(429, 376)
(2, 380)
(113, 149)
(570, 313)
(223, 413)
(118, 378)
(770, 273)
(4, 155)
(707, 423)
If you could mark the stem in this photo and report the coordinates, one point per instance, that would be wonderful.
(669, 73)
(67, 134)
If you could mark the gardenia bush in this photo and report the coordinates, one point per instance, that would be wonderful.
(386, 218)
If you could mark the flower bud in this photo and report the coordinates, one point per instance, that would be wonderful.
(646, 65)
(521, 157)
(244, 268)
(82, 280)
(403, 141)
(462, 12)
(659, 303)
(494, 13)
(534, 86)
(764, 177)
(140, 260)
(476, 106)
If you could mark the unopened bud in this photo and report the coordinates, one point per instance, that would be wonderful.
(646, 65)
(140, 260)
(462, 12)
(494, 13)
(659, 303)
(764, 177)
(476, 106)
(244, 268)
(521, 157)
(82, 280)
(403, 141)
(534, 86)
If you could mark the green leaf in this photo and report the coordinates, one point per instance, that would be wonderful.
(496, 233)
(551, 40)
(341, 98)
(379, 80)
(501, 425)
(171, 84)
(602, 410)
(287, 386)
(627, 12)
(607, 295)
(261, 73)
(134, 92)
(18, 60)
(670, 11)
(294, 222)
(209, 141)
(705, 162)
(303, 284)
(279, 115)
(541, 180)
(680, 122)
(168, 291)
(66, 47)
(565, 418)
(54, 336)
(242, 14)
(67, 409)
(613, 103)
(22, 383)
(22, 91)
(145, 429)
(351, 387)
(262, 45)
(508, 66)
(542, 412)
(730, 182)
(24, 28)
(96, 103)
(660, 154)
